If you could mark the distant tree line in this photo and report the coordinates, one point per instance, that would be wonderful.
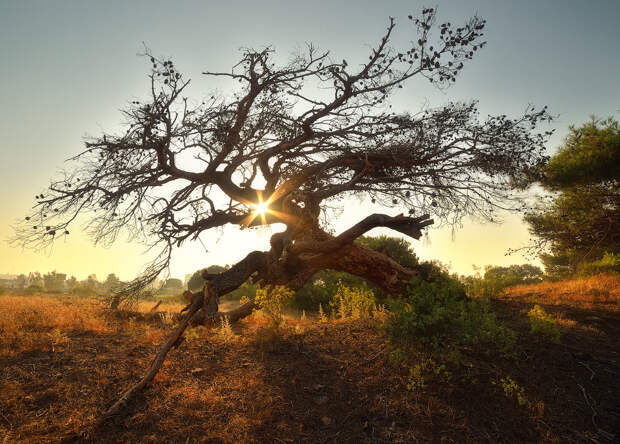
(55, 282)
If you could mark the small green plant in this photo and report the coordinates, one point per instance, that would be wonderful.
(224, 330)
(513, 390)
(57, 338)
(272, 300)
(420, 371)
(191, 334)
(544, 324)
(322, 316)
(416, 379)
(358, 302)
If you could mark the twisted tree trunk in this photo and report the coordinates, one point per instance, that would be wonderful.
(296, 255)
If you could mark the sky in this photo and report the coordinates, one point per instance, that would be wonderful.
(68, 67)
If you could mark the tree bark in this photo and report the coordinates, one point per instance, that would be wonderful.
(314, 250)
(293, 266)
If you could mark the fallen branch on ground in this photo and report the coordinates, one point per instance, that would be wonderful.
(155, 365)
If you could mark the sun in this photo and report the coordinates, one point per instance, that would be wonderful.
(261, 208)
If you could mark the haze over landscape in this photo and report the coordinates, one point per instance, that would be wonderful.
(68, 67)
(359, 222)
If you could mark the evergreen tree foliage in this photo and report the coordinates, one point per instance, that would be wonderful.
(580, 222)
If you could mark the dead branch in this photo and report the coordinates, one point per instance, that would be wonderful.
(119, 405)
(155, 307)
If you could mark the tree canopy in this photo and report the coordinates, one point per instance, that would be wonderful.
(289, 140)
(580, 221)
(590, 155)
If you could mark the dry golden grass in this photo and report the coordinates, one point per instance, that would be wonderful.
(64, 360)
(166, 306)
(595, 292)
(43, 322)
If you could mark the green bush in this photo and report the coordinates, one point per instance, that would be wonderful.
(609, 263)
(324, 284)
(273, 300)
(496, 279)
(356, 302)
(322, 288)
(432, 328)
(544, 324)
(436, 315)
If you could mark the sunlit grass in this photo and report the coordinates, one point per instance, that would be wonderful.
(601, 291)
(43, 322)
(173, 306)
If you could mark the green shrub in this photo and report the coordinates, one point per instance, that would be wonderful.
(436, 315)
(273, 300)
(496, 279)
(544, 324)
(513, 390)
(419, 372)
(436, 325)
(321, 289)
(356, 302)
(609, 263)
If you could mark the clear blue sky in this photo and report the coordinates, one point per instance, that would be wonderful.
(67, 67)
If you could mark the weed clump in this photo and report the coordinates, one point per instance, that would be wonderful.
(350, 302)
(224, 330)
(542, 323)
(272, 300)
(513, 390)
(322, 315)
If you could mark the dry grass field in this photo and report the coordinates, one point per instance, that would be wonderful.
(600, 292)
(64, 360)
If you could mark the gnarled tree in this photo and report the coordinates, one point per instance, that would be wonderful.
(289, 140)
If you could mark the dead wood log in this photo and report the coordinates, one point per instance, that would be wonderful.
(116, 408)
(155, 307)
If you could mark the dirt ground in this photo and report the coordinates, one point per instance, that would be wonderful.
(308, 382)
